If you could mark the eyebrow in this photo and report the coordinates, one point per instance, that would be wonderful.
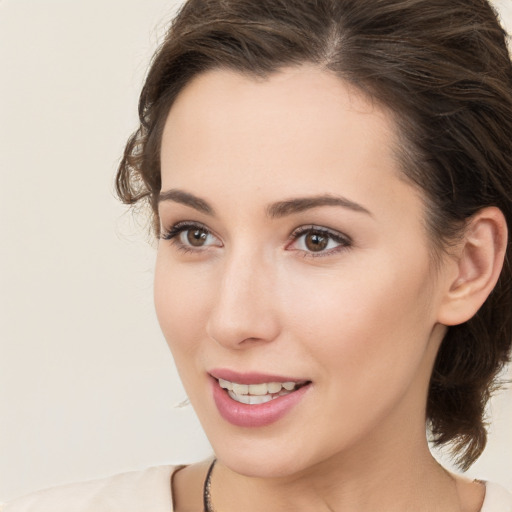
(274, 211)
(182, 197)
(300, 204)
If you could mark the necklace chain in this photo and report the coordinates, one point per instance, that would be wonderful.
(207, 500)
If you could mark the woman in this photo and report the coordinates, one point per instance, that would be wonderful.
(331, 184)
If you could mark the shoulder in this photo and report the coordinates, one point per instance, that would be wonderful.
(149, 489)
(497, 499)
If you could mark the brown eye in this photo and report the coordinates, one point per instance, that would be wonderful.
(197, 237)
(190, 236)
(316, 242)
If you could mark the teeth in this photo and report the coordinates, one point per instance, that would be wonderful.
(257, 390)
(226, 384)
(274, 387)
(240, 389)
(250, 399)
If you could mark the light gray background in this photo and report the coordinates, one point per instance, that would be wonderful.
(87, 386)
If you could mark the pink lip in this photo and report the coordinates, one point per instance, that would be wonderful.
(244, 415)
(250, 377)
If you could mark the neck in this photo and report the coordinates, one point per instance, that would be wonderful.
(358, 480)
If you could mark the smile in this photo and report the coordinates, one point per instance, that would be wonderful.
(255, 394)
(254, 399)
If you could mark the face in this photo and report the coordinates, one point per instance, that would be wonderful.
(293, 282)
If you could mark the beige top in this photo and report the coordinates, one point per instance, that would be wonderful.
(150, 491)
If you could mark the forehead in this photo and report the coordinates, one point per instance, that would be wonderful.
(315, 101)
(301, 128)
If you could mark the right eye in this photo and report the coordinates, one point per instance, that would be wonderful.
(190, 236)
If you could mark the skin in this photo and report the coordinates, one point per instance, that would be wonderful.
(361, 319)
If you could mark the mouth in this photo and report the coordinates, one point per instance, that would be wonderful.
(255, 399)
(256, 394)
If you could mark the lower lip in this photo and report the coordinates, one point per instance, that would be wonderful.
(260, 415)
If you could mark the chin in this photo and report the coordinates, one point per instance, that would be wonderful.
(264, 457)
(258, 466)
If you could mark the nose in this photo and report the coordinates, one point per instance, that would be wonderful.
(243, 311)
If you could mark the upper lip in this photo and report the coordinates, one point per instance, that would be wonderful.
(250, 377)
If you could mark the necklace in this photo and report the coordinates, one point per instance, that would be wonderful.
(207, 500)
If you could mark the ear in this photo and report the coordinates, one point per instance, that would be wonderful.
(474, 267)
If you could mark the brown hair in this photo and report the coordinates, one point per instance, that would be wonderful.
(443, 68)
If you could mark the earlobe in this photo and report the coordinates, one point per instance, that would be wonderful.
(476, 264)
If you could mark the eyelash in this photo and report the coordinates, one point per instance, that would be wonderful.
(172, 234)
(343, 240)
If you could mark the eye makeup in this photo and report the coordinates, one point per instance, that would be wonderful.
(190, 236)
(318, 241)
(311, 240)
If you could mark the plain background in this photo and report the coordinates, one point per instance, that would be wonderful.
(87, 385)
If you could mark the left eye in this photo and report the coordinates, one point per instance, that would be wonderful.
(317, 240)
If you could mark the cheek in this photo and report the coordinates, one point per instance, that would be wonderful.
(365, 317)
(180, 302)
(366, 335)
